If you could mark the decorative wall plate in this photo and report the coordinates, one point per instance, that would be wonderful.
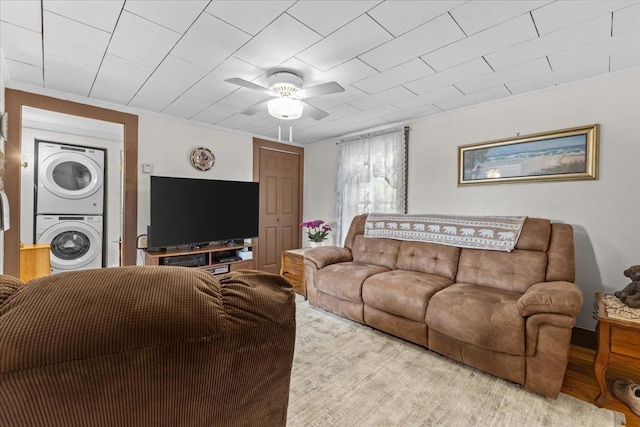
(202, 158)
(4, 124)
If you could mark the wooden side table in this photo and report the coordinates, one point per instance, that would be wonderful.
(35, 261)
(618, 343)
(292, 269)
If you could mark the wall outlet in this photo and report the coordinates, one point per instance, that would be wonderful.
(142, 241)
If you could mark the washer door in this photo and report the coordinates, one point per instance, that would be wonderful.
(73, 244)
(70, 175)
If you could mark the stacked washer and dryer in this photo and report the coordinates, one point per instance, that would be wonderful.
(69, 204)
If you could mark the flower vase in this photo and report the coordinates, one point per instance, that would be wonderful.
(316, 244)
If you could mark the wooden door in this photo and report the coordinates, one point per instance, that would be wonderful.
(280, 177)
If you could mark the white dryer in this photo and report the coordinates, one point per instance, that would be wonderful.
(76, 241)
(70, 179)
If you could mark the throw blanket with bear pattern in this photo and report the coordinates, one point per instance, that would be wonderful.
(498, 233)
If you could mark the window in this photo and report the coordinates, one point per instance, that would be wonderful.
(372, 177)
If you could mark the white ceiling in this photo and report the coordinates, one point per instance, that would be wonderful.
(397, 60)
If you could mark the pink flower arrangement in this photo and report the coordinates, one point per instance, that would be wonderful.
(317, 230)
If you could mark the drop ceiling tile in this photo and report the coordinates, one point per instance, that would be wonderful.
(390, 95)
(626, 19)
(344, 74)
(558, 41)
(175, 73)
(244, 98)
(68, 76)
(98, 14)
(485, 42)
(437, 95)
(250, 16)
(119, 80)
(294, 65)
(395, 76)
(329, 101)
(353, 39)
(281, 40)
(374, 113)
(24, 73)
(213, 114)
(175, 15)
(21, 44)
(553, 78)
(398, 17)
(237, 121)
(177, 109)
(599, 48)
(468, 70)
(74, 41)
(486, 95)
(506, 75)
(141, 41)
(475, 16)
(153, 98)
(625, 60)
(25, 13)
(327, 16)
(561, 14)
(426, 38)
(413, 115)
(213, 87)
(209, 42)
(342, 110)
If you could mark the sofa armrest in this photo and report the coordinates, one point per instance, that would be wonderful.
(327, 255)
(551, 297)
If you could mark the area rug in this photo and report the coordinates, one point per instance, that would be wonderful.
(347, 374)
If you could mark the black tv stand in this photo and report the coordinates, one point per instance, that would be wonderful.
(233, 242)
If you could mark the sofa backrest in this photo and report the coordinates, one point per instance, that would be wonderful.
(544, 252)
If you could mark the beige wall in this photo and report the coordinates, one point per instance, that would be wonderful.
(604, 213)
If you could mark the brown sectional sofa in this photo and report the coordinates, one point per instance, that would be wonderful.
(506, 313)
(146, 346)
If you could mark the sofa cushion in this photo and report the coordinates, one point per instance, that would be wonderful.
(344, 280)
(383, 252)
(512, 271)
(485, 317)
(403, 293)
(535, 235)
(429, 258)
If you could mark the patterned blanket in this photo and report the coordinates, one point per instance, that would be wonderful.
(498, 233)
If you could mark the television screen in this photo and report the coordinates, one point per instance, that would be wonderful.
(188, 211)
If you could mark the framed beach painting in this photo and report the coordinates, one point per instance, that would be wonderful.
(566, 154)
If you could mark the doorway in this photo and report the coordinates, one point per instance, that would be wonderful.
(279, 169)
(15, 101)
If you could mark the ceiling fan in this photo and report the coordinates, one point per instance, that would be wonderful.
(288, 94)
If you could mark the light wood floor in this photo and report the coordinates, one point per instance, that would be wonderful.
(580, 382)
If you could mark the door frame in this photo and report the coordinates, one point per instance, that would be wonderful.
(14, 101)
(258, 145)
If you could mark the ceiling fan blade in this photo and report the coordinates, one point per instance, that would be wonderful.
(256, 108)
(315, 113)
(249, 85)
(318, 90)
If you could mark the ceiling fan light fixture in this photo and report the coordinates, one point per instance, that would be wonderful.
(285, 108)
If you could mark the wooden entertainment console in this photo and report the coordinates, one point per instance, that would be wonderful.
(210, 257)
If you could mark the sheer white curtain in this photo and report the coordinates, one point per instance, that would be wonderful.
(371, 178)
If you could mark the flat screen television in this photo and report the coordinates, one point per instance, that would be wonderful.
(189, 211)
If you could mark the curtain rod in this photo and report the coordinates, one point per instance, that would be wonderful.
(371, 134)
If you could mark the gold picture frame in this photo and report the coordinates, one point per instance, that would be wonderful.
(560, 155)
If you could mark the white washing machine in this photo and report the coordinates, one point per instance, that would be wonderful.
(76, 241)
(70, 179)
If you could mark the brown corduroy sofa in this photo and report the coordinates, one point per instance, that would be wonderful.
(146, 346)
(506, 313)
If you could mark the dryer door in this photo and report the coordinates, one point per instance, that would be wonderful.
(73, 244)
(70, 175)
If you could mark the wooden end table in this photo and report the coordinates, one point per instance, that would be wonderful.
(292, 268)
(618, 343)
